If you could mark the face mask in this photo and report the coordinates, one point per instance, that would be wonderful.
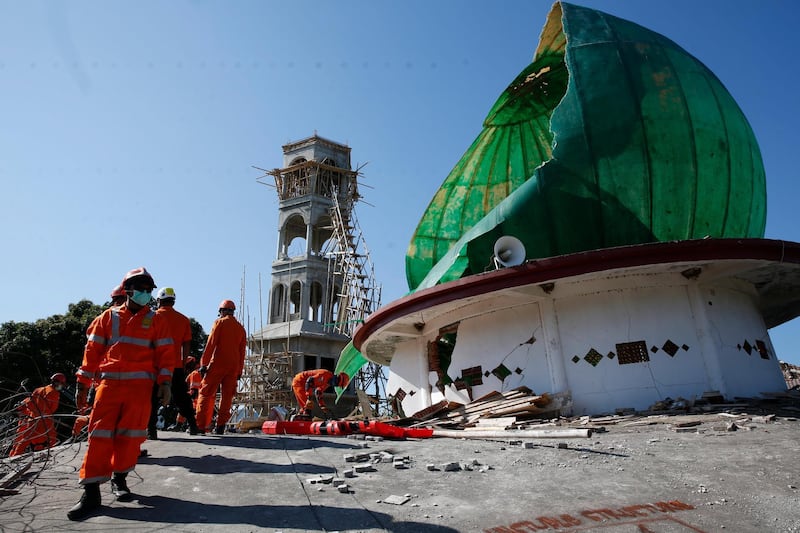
(141, 297)
(58, 387)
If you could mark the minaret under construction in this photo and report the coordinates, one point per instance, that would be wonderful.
(322, 281)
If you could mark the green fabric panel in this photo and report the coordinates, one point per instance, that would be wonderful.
(350, 361)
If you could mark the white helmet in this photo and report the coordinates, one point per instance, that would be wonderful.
(166, 292)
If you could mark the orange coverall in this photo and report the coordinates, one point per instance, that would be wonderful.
(180, 329)
(125, 352)
(311, 382)
(193, 382)
(224, 359)
(35, 427)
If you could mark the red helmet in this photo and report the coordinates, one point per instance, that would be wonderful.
(117, 291)
(58, 377)
(227, 304)
(137, 273)
(342, 380)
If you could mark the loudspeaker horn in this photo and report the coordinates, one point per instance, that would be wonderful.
(508, 251)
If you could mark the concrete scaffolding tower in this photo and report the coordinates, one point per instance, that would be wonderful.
(322, 282)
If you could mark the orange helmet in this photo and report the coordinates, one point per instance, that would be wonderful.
(227, 304)
(117, 291)
(342, 380)
(58, 377)
(137, 273)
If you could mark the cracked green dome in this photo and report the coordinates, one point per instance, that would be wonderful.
(614, 135)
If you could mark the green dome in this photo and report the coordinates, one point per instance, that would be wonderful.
(613, 135)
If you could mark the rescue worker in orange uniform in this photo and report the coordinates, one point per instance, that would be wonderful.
(193, 383)
(314, 383)
(118, 296)
(194, 380)
(181, 332)
(35, 429)
(127, 349)
(221, 364)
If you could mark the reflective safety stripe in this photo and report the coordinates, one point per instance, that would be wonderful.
(85, 374)
(114, 325)
(101, 434)
(97, 338)
(132, 433)
(134, 340)
(163, 342)
(165, 372)
(128, 375)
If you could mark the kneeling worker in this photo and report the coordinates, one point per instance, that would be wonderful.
(314, 383)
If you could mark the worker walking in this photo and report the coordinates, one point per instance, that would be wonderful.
(35, 429)
(312, 383)
(180, 330)
(127, 349)
(221, 364)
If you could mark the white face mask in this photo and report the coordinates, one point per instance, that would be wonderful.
(58, 387)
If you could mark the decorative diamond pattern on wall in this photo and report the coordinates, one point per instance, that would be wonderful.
(685, 348)
(670, 347)
(748, 347)
(654, 348)
(400, 394)
(632, 352)
(593, 357)
(611, 355)
(501, 372)
(575, 359)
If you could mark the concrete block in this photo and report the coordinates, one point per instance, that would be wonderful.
(528, 445)
(338, 481)
(349, 458)
(451, 467)
(364, 468)
(396, 500)
(344, 488)
(431, 467)
(562, 446)
(349, 473)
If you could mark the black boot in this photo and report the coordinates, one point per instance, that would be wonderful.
(119, 487)
(192, 426)
(90, 501)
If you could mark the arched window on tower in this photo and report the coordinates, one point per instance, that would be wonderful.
(293, 237)
(315, 302)
(278, 304)
(295, 295)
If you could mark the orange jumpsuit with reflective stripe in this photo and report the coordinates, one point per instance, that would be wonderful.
(125, 353)
(35, 427)
(193, 382)
(224, 358)
(311, 382)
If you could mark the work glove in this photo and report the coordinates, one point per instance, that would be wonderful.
(165, 393)
(203, 369)
(81, 396)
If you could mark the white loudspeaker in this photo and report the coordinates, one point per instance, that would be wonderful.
(508, 251)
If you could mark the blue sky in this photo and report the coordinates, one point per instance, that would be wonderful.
(129, 129)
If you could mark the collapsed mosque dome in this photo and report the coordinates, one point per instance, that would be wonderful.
(614, 135)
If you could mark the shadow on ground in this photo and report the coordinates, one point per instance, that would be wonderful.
(164, 510)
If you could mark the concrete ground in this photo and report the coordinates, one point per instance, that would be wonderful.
(640, 475)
